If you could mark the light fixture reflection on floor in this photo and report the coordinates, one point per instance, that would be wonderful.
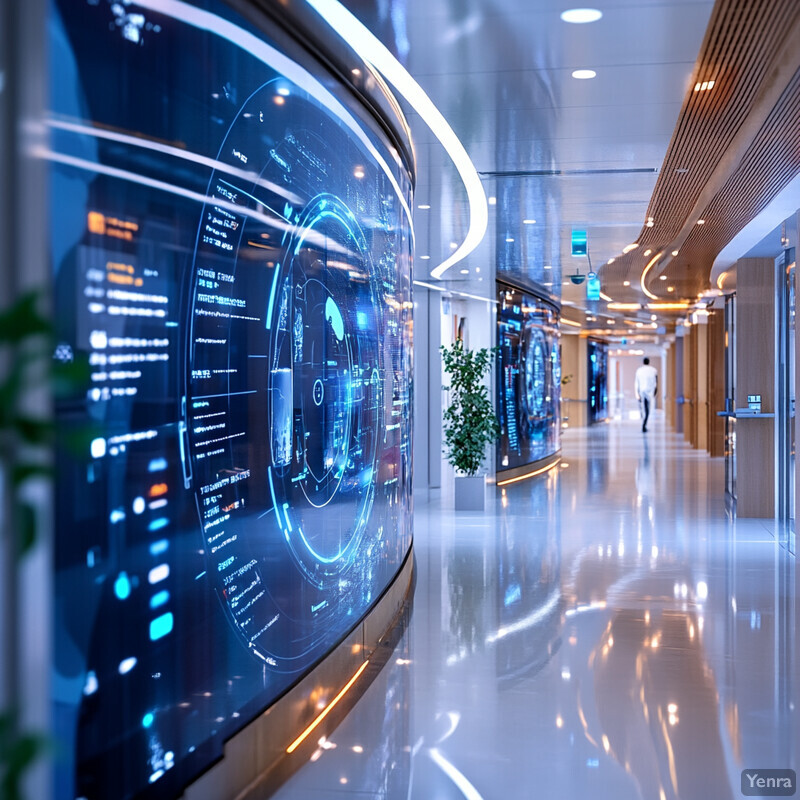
(580, 16)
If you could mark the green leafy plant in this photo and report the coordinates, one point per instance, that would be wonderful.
(25, 439)
(24, 433)
(469, 422)
(18, 752)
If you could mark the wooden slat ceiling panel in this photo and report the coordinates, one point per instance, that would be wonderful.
(738, 54)
(769, 164)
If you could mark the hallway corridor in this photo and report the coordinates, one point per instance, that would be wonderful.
(603, 631)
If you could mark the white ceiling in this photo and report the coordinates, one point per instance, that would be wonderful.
(501, 73)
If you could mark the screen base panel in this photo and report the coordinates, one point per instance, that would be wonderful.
(528, 470)
(256, 760)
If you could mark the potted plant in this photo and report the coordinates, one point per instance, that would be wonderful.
(469, 421)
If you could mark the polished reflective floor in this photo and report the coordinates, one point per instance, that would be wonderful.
(603, 631)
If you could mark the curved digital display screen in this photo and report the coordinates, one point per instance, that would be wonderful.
(529, 376)
(232, 251)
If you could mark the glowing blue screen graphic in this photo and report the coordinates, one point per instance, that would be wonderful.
(232, 263)
(529, 378)
(597, 354)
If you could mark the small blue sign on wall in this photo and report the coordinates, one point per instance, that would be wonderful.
(579, 243)
(592, 286)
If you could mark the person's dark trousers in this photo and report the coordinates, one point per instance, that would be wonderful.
(646, 406)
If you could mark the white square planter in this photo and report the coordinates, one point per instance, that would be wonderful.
(470, 492)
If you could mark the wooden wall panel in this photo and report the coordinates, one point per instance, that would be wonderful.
(755, 369)
(716, 383)
(575, 394)
(669, 399)
(701, 387)
(679, 347)
(690, 386)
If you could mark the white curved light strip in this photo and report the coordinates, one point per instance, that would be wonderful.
(644, 275)
(459, 779)
(219, 26)
(134, 177)
(176, 152)
(372, 50)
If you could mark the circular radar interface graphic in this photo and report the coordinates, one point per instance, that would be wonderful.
(324, 389)
(290, 324)
(535, 373)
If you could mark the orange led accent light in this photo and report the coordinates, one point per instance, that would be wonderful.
(530, 474)
(327, 710)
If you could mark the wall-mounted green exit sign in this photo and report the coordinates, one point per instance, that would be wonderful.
(579, 246)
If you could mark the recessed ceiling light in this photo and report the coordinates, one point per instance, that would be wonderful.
(548, 266)
(492, 201)
(477, 269)
(701, 222)
(453, 245)
(629, 247)
(279, 100)
(425, 258)
(580, 16)
(356, 71)
(584, 74)
(681, 170)
(647, 252)
(704, 86)
(674, 252)
(670, 288)
(509, 239)
(626, 283)
(653, 317)
(359, 172)
(611, 260)
(529, 222)
(465, 272)
(663, 278)
(423, 207)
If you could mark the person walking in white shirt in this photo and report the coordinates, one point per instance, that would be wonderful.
(646, 390)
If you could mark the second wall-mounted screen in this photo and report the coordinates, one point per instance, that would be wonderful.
(597, 354)
(529, 378)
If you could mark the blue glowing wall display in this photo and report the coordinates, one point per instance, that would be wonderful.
(231, 244)
(597, 353)
(529, 378)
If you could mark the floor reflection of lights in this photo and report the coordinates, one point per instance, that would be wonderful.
(606, 633)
